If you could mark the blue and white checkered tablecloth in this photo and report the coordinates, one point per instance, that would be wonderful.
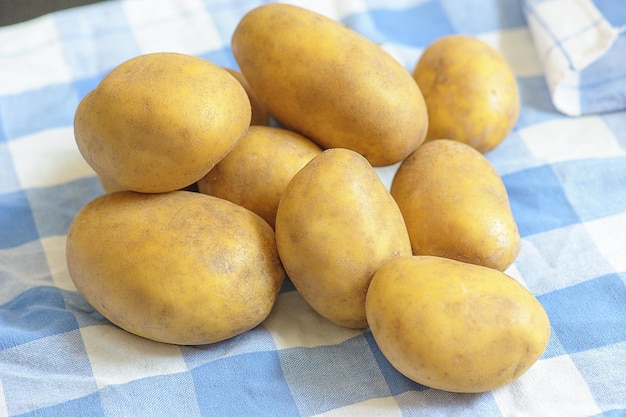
(566, 177)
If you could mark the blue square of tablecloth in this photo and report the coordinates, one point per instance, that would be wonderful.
(537, 105)
(36, 110)
(594, 191)
(94, 29)
(588, 315)
(417, 26)
(602, 77)
(17, 224)
(512, 155)
(312, 374)
(538, 201)
(76, 407)
(85, 85)
(46, 371)
(480, 16)
(36, 313)
(54, 207)
(613, 11)
(222, 57)
(249, 384)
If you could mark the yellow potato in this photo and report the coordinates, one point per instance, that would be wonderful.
(256, 173)
(327, 82)
(456, 206)
(159, 122)
(455, 326)
(260, 114)
(178, 267)
(110, 186)
(336, 224)
(471, 92)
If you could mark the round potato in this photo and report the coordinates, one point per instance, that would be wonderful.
(178, 267)
(159, 122)
(455, 205)
(336, 224)
(455, 326)
(256, 173)
(471, 92)
(329, 83)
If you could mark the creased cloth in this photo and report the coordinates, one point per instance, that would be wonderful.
(582, 48)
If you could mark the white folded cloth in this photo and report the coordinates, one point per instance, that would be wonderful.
(582, 51)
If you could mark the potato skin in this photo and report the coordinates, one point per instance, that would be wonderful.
(256, 172)
(336, 224)
(470, 91)
(329, 83)
(159, 122)
(455, 205)
(180, 267)
(455, 326)
(260, 114)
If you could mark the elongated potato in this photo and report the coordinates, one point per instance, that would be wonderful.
(455, 326)
(178, 267)
(456, 206)
(329, 83)
(336, 224)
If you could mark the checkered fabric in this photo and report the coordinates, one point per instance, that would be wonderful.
(566, 179)
(582, 46)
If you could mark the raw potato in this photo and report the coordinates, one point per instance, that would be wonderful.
(256, 173)
(179, 267)
(455, 205)
(329, 83)
(260, 114)
(159, 122)
(109, 185)
(471, 92)
(335, 226)
(455, 326)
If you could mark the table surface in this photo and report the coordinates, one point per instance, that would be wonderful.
(566, 179)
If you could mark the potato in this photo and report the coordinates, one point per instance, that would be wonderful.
(336, 224)
(455, 326)
(260, 114)
(159, 122)
(256, 173)
(471, 92)
(178, 267)
(109, 186)
(455, 205)
(332, 85)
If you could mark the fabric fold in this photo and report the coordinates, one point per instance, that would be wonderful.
(582, 54)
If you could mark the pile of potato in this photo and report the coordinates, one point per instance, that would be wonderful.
(209, 205)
